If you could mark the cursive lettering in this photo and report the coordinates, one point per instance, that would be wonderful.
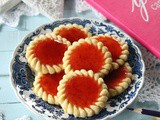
(143, 10)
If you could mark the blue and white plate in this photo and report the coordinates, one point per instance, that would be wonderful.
(22, 77)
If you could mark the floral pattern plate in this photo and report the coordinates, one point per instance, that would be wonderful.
(22, 77)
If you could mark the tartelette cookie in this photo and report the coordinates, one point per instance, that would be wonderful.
(118, 80)
(88, 54)
(72, 32)
(44, 54)
(82, 93)
(117, 47)
(45, 86)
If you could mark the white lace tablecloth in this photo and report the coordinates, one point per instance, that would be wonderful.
(53, 9)
(151, 88)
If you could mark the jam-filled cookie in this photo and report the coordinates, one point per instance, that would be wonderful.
(45, 86)
(118, 80)
(88, 54)
(117, 47)
(44, 54)
(82, 93)
(72, 32)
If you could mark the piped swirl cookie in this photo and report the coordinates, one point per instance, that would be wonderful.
(117, 47)
(45, 86)
(82, 93)
(72, 32)
(88, 54)
(118, 80)
(44, 54)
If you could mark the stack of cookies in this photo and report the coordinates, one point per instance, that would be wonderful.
(78, 71)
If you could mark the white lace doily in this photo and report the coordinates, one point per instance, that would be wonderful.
(11, 17)
(82, 5)
(5, 5)
(52, 9)
(151, 88)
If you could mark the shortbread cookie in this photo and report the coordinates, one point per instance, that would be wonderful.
(88, 54)
(118, 80)
(82, 93)
(45, 86)
(44, 54)
(72, 32)
(117, 47)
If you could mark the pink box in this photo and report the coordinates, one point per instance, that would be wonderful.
(139, 18)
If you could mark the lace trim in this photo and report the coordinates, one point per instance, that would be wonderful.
(151, 89)
(11, 17)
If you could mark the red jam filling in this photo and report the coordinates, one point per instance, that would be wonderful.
(115, 77)
(112, 45)
(50, 52)
(82, 91)
(50, 82)
(87, 57)
(72, 34)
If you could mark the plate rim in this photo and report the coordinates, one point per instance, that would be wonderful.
(71, 18)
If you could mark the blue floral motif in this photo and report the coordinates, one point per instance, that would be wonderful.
(101, 31)
(23, 77)
(113, 103)
(59, 113)
(93, 30)
(136, 68)
(32, 96)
